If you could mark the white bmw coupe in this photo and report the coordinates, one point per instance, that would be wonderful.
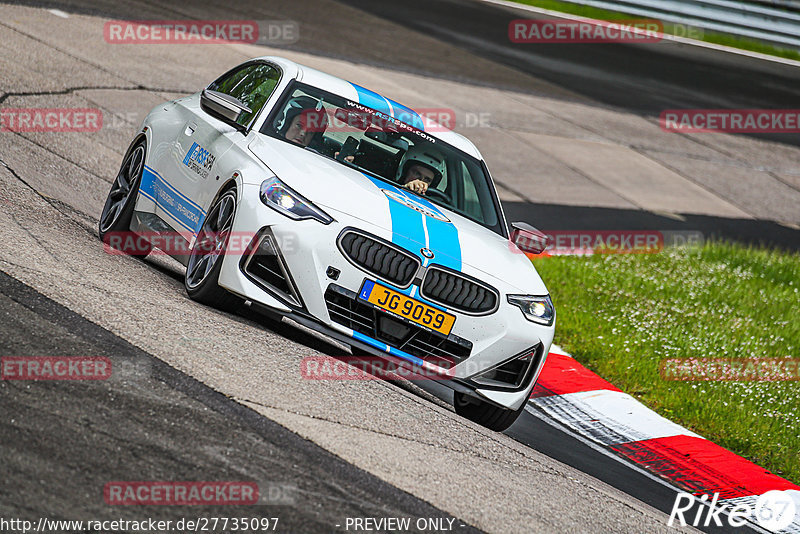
(315, 198)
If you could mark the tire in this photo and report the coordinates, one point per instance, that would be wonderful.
(118, 209)
(485, 414)
(205, 258)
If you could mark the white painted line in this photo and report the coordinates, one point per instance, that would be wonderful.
(605, 452)
(602, 418)
(598, 448)
(58, 13)
(608, 417)
(683, 40)
(558, 350)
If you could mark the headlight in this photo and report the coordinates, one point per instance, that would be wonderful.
(537, 309)
(282, 198)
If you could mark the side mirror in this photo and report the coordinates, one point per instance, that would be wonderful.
(224, 107)
(528, 238)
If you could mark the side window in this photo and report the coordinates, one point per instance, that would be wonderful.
(472, 204)
(443, 185)
(252, 85)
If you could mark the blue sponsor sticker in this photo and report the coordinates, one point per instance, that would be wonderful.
(187, 213)
(199, 160)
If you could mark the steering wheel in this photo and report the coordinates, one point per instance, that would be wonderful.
(439, 195)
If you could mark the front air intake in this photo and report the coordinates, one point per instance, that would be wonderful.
(513, 374)
(264, 265)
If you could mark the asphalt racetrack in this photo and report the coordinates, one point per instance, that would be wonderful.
(571, 136)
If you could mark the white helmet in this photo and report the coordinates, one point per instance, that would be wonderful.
(423, 154)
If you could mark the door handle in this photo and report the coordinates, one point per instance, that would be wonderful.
(189, 129)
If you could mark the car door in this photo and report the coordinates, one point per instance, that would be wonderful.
(204, 139)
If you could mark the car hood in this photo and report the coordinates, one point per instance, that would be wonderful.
(415, 223)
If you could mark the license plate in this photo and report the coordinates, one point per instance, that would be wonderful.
(406, 307)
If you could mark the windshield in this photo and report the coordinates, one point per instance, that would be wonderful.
(386, 148)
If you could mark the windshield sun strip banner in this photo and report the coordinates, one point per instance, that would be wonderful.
(408, 115)
(389, 107)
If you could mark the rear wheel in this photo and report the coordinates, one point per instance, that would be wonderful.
(117, 213)
(485, 414)
(205, 258)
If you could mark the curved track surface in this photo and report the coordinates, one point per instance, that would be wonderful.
(233, 381)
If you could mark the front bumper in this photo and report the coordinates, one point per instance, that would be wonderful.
(315, 267)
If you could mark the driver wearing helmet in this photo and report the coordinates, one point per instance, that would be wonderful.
(303, 126)
(420, 168)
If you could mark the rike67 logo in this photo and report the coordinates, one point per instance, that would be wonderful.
(774, 510)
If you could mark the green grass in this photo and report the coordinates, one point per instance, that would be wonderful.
(622, 314)
(671, 29)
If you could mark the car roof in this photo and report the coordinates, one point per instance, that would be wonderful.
(373, 100)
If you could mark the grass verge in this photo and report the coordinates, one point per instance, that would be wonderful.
(733, 41)
(622, 314)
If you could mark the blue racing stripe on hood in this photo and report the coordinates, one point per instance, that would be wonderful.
(445, 242)
(413, 230)
(410, 223)
(443, 235)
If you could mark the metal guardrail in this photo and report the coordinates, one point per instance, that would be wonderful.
(744, 19)
(791, 5)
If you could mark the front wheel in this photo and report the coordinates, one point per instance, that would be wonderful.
(485, 414)
(205, 259)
